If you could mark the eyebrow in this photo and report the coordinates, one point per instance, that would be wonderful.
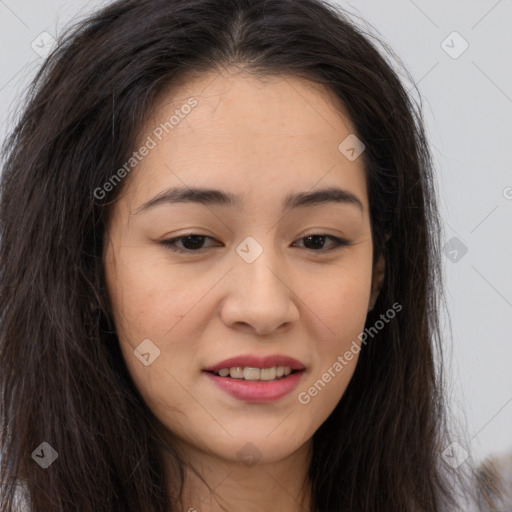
(208, 196)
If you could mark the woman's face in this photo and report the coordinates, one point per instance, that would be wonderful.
(251, 289)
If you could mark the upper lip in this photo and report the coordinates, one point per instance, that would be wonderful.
(257, 362)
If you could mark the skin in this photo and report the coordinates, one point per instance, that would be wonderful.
(262, 139)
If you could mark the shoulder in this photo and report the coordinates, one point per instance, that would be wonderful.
(483, 487)
(494, 483)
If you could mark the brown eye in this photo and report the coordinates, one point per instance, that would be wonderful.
(190, 243)
(315, 242)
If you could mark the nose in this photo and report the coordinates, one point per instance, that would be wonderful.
(260, 298)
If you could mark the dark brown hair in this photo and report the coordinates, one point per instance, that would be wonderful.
(63, 378)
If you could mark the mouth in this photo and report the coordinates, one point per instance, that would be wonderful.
(249, 373)
(257, 379)
(256, 385)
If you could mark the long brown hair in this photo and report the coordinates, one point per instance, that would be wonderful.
(63, 380)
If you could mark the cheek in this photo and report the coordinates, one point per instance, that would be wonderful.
(341, 304)
(341, 300)
(147, 299)
(344, 301)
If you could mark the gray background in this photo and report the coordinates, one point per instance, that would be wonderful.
(467, 104)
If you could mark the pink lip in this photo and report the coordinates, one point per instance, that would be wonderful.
(257, 390)
(257, 362)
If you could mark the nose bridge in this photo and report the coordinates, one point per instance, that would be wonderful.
(260, 296)
(259, 264)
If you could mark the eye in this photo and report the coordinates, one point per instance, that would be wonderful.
(193, 243)
(318, 239)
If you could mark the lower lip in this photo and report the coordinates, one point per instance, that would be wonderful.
(257, 390)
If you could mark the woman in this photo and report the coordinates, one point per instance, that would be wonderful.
(220, 270)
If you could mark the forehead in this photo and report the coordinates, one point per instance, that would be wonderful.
(252, 136)
(239, 106)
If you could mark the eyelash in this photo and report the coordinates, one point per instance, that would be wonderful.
(171, 243)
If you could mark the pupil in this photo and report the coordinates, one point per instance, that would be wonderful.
(195, 238)
(314, 237)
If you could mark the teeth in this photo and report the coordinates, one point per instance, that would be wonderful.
(237, 372)
(248, 373)
(268, 373)
(251, 373)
